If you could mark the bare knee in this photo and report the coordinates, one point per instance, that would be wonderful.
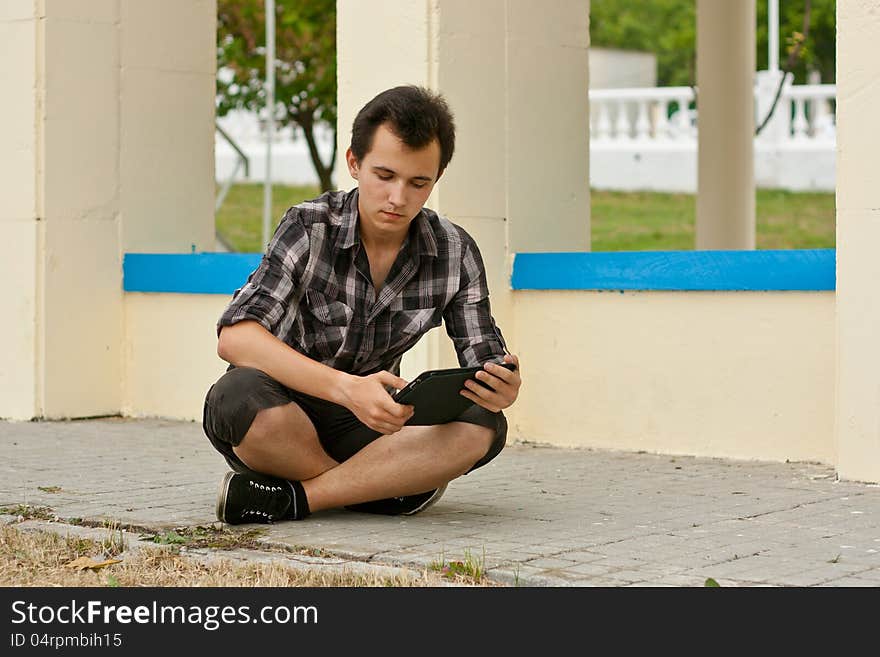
(282, 441)
(270, 424)
(474, 440)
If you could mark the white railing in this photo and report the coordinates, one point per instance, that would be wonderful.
(644, 113)
(664, 114)
(810, 110)
(646, 139)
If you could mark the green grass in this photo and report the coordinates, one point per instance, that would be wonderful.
(649, 221)
(240, 219)
(621, 221)
(470, 568)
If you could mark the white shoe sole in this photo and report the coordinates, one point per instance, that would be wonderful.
(222, 492)
(431, 501)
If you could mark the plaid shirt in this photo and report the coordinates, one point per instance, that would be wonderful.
(313, 290)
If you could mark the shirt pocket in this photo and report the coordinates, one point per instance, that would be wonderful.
(407, 326)
(325, 325)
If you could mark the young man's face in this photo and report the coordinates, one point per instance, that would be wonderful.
(394, 182)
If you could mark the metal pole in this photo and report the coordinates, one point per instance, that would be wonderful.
(270, 116)
(773, 32)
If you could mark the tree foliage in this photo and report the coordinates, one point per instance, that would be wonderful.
(668, 29)
(305, 67)
(817, 51)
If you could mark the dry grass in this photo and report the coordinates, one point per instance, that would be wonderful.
(41, 558)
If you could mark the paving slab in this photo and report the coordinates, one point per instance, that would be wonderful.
(536, 516)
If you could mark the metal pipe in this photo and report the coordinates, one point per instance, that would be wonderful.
(237, 149)
(270, 116)
(773, 35)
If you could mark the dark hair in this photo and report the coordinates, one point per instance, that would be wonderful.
(416, 115)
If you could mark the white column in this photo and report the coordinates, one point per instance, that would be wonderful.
(169, 63)
(107, 142)
(548, 132)
(726, 125)
(79, 314)
(19, 212)
(858, 237)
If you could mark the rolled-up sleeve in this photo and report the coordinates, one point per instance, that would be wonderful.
(275, 287)
(468, 317)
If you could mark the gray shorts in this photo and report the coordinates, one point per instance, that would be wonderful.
(234, 400)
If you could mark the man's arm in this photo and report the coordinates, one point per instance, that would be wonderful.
(249, 344)
(270, 298)
(477, 340)
(504, 383)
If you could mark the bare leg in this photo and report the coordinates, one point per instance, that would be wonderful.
(413, 460)
(282, 442)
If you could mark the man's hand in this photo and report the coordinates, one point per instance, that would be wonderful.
(504, 383)
(370, 402)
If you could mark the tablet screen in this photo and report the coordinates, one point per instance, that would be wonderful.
(435, 394)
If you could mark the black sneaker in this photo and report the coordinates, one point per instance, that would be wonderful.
(401, 506)
(252, 498)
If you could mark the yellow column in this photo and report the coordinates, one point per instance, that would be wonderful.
(107, 142)
(168, 56)
(18, 207)
(858, 238)
(79, 316)
(725, 122)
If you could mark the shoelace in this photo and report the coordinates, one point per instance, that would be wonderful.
(266, 501)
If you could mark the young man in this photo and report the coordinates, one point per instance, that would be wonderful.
(349, 282)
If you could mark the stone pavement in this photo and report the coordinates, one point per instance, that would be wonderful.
(536, 515)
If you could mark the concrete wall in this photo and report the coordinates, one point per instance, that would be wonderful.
(170, 353)
(672, 166)
(729, 374)
(726, 374)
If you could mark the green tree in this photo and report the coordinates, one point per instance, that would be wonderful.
(817, 51)
(668, 29)
(305, 67)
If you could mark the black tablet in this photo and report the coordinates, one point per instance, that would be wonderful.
(435, 394)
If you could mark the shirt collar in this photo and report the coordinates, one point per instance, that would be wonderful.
(348, 236)
(421, 233)
(424, 239)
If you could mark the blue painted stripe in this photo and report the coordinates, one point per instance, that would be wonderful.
(187, 273)
(798, 269)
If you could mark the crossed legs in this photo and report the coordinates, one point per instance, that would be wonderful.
(282, 442)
